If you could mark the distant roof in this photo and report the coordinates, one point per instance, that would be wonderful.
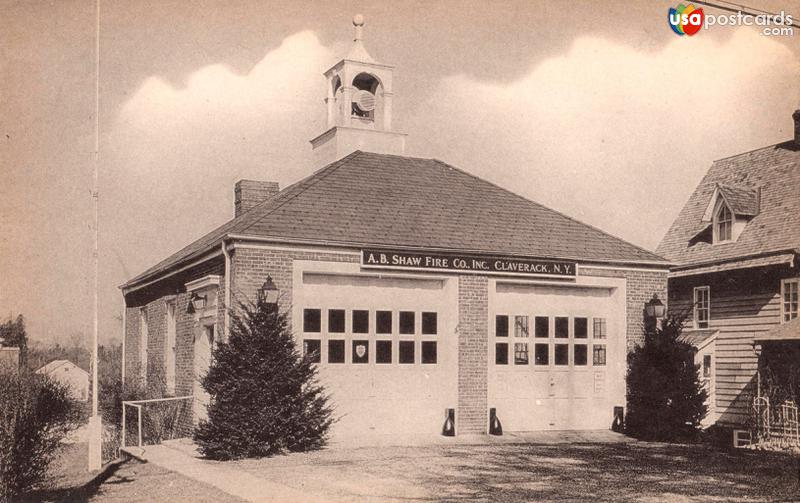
(55, 364)
(378, 200)
(775, 226)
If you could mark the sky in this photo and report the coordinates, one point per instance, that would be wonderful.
(596, 110)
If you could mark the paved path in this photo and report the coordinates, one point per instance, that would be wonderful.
(307, 477)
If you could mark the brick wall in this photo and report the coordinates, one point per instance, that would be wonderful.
(473, 312)
(640, 286)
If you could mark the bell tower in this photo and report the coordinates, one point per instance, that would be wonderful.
(359, 105)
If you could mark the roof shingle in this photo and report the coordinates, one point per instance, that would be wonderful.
(367, 199)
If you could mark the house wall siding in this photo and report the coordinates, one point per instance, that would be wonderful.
(743, 305)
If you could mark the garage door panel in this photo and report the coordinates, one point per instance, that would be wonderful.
(562, 387)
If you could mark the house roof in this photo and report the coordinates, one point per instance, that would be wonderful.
(774, 228)
(379, 200)
(742, 201)
(699, 338)
(55, 364)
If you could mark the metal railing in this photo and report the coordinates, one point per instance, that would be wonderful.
(138, 404)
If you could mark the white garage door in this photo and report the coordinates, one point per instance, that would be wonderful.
(556, 356)
(386, 349)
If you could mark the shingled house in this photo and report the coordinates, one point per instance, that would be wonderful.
(735, 249)
(422, 289)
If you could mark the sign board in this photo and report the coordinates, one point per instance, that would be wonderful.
(437, 261)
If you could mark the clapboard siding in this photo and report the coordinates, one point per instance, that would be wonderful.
(743, 305)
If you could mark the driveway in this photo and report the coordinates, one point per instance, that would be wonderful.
(540, 467)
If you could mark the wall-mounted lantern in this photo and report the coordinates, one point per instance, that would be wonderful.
(654, 308)
(196, 303)
(268, 293)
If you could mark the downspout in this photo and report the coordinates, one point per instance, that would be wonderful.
(124, 333)
(226, 315)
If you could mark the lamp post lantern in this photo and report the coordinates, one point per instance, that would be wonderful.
(268, 293)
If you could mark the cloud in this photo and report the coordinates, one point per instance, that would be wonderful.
(613, 135)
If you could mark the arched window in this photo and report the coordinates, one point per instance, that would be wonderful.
(723, 223)
(364, 100)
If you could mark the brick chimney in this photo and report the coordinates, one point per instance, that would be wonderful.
(796, 117)
(249, 193)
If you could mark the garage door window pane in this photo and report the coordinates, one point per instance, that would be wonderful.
(312, 347)
(581, 328)
(335, 351)
(336, 321)
(542, 354)
(599, 354)
(520, 353)
(406, 322)
(429, 324)
(360, 322)
(406, 352)
(311, 320)
(428, 351)
(383, 351)
(383, 322)
(501, 353)
(562, 327)
(542, 326)
(520, 326)
(360, 351)
(562, 354)
(599, 328)
(501, 325)
(580, 354)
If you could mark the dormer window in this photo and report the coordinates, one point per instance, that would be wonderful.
(723, 223)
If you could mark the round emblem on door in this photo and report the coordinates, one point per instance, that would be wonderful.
(361, 350)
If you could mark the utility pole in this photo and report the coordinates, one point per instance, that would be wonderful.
(95, 424)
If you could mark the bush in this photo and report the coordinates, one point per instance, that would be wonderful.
(264, 398)
(36, 413)
(666, 399)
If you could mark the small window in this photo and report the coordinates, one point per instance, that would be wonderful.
(383, 351)
(406, 352)
(562, 327)
(360, 322)
(600, 329)
(383, 322)
(789, 296)
(580, 356)
(542, 326)
(541, 354)
(312, 320)
(406, 322)
(520, 326)
(581, 328)
(501, 353)
(562, 354)
(723, 223)
(429, 324)
(501, 325)
(706, 365)
(360, 351)
(313, 348)
(429, 352)
(702, 306)
(520, 353)
(336, 351)
(336, 321)
(598, 354)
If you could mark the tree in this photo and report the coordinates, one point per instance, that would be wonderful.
(666, 399)
(12, 334)
(264, 396)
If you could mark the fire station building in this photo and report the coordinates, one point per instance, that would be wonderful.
(421, 288)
